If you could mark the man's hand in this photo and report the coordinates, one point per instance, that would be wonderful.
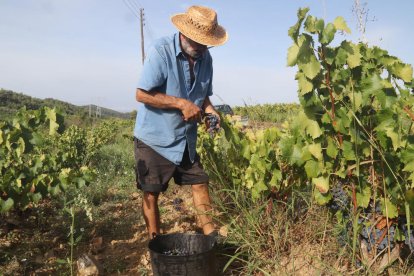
(190, 111)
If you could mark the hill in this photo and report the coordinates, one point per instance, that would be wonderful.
(11, 101)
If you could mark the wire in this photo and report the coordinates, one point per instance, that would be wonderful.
(131, 9)
(134, 5)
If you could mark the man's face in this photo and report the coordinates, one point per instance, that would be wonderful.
(192, 48)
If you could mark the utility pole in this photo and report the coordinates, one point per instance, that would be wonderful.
(141, 11)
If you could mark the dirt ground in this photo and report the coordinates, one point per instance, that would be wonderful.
(36, 241)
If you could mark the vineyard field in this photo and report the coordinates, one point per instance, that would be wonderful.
(322, 187)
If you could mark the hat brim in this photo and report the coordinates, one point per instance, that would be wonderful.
(217, 38)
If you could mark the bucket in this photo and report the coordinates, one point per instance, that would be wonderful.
(183, 254)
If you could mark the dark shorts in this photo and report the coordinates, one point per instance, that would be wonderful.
(153, 171)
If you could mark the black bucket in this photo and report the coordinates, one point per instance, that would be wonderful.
(183, 254)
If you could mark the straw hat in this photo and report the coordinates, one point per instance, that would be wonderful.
(200, 24)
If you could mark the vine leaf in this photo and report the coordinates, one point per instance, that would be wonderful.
(6, 205)
(321, 183)
(364, 197)
(313, 129)
(276, 178)
(397, 142)
(320, 198)
(328, 33)
(305, 86)
(348, 151)
(312, 168)
(404, 71)
(341, 25)
(292, 56)
(311, 68)
(354, 56)
(316, 150)
(294, 30)
(389, 209)
(331, 150)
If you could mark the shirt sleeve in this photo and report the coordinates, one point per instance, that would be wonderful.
(154, 72)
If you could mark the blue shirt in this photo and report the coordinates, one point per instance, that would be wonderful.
(167, 70)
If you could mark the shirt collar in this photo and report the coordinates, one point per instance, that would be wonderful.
(178, 50)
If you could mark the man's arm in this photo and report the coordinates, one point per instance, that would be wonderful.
(160, 100)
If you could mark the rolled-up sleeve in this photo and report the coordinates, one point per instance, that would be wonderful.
(154, 73)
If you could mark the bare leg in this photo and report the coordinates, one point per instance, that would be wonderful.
(203, 207)
(151, 213)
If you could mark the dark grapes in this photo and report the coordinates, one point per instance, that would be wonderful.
(213, 121)
(340, 199)
(177, 203)
(367, 235)
(409, 236)
(178, 252)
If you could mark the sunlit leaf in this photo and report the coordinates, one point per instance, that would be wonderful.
(341, 25)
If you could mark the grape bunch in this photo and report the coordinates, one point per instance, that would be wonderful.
(373, 236)
(177, 203)
(177, 252)
(409, 236)
(213, 121)
(340, 199)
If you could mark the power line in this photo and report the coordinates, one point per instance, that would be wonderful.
(135, 13)
(134, 4)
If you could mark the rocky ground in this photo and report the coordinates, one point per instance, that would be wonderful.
(36, 241)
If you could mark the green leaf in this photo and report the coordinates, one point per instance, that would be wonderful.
(258, 188)
(330, 55)
(61, 261)
(316, 151)
(403, 71)
(245, 149)
(389, 209)
(294, 30)
(313, 129)
(293, 52)
(372, 84)
(20, 148)
(36, 139)
(397, 142)
(296, 157)
(320, 198)
(310, 24)
(354, 56)
(312, 168)
(409, 167)
(276, 178)
(6, 205)
(311, 68)
(305, 86)
(331, 150)
(328, 33)
(341, 25)
(321, 183)
(348, 150)
(364, 197)
(53, 125)
(320, 25)
(356, 100)
(341, 56)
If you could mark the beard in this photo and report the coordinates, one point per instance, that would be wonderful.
(194, 54)
(186, 47)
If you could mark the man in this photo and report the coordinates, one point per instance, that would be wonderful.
(173, 92)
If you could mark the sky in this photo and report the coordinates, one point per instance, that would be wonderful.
(89, 51)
